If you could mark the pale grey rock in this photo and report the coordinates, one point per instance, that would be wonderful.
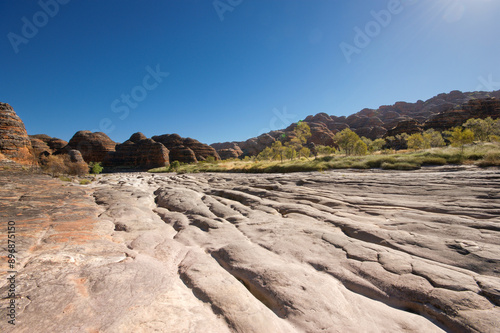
(344, 251)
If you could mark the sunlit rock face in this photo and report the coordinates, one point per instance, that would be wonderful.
(93, 146)
(138, 153)
(15, 143)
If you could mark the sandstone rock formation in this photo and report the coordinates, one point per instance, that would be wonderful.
(44, 145)
(372, 251)
(440, 112)
(93, 146)
(228, 153)
(408, 126)
(75, 156)
(182, 154)
(138, 153)
(482, 108)
(54, 144)
(14, 141)
(40, 148)
(186, 150)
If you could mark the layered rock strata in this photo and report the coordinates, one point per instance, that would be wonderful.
(15, 144)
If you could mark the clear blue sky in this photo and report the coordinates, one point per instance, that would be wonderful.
(238, 70)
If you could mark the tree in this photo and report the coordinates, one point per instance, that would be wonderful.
(325, 150)
(376, 145)
(278, 150)
(360, 148)
(433, 138)
(460, 137)
(367, 141)
(302, 132)
(266, 154)
(482, 128)
(346, 139)
(174, 166)
(290, 152)
(304, 152)
(416, 141)
(402, 141)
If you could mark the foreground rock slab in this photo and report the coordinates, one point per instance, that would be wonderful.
(342, 251)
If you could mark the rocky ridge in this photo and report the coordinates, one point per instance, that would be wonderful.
(440, 112)
(186, 150)
(138, 152)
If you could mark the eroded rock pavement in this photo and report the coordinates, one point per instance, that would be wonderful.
(338, 251)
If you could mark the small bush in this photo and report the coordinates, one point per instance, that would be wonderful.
(210, 159)
(174, 166)
(65, 178)
(95, 168)
(85, 181)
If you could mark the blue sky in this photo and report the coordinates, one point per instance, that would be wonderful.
(231, 69)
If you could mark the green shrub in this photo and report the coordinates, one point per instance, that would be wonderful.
(65, 178)
(210, 159)
(95, 168)
(85, 181)
(174, 166)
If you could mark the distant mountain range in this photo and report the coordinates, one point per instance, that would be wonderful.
(440, 112)
(139, 152)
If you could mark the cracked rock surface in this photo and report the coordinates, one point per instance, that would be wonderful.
(346, 251)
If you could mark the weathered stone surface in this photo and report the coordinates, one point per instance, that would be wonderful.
(40, 148)
(14, 141)
(54, 144)
(182, 154)
(345, 251)
(44, 145)
(482, 108)
(408, 126)
(138, 153)
(227, 145)
(93, 146)
(75, 156)
(226, 154)
(201, 150)
(186, 150)
(136, 137)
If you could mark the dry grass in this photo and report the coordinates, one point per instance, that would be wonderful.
(487, 154)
